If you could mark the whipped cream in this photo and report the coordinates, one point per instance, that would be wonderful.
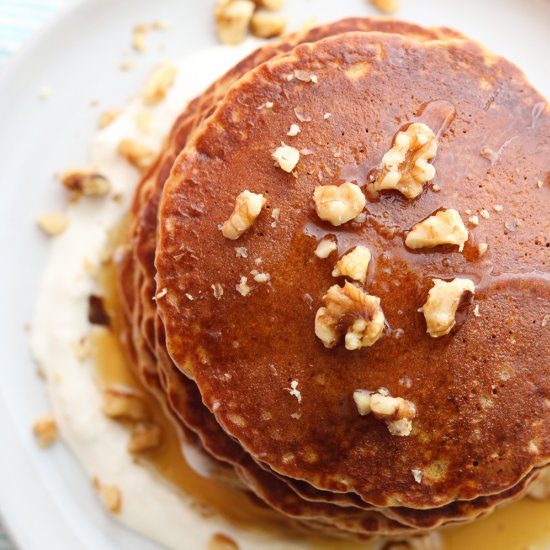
(166, 516)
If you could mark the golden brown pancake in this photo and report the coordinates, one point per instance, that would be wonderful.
(473, 435)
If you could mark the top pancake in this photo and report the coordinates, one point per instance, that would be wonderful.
(481, 393)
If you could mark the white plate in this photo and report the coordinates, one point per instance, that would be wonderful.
(45, 498)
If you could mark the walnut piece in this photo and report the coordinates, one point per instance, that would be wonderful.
(45, 430)
(247, 208)
(80, 182)
(107, 117)
(219, 541)
(137, 154)
(339, 204)
(349, 310)
(443, 301)
(267, 25)
(272, 5)
(232, 19)
(354, 264)
(145, 436)
(159, 82)
(445, 227)
(286, 157)
(111, 498)
(386, 6)
(53, 223)
(397, 412)
(122, 403)
(325, 248)
(405, 167)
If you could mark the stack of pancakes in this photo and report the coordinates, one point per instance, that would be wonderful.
(243, 374)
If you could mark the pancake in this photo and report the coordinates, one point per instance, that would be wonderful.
(330, 446)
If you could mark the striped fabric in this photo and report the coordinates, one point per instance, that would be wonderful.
(18, 20)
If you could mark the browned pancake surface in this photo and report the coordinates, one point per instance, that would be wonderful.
(481, 393)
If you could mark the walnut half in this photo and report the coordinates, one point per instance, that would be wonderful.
(247, 208)
(445, 227)
(351, 311)
(444, 299)
(397, 412)
(405, 167)
(339, 204)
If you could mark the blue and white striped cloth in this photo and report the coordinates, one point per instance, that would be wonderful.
(19, 19)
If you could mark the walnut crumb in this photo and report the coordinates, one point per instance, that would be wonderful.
(123, 403)
(53, 223)
(260, 277)
(219, 541)
(266, 105)
(545, 320)
(83, 183)
(159, 82)
(293, 390)
(161, 294)
(498, 207)
(474, 220)
(349, 311)
(145, 436)
(139, 38)
(241, 252)
(108, 116)
(247, 208)
(482, 249)
(444, 299)
(339, 204)
(539, 184)
(445, 227)
(406, 167)
(326, 116)
(242, 288)
(276, 216)
(325, 248)
(476, 311)
(397, 412)
(111, 497)
(286, 157)
(217, 289)
(354, 264)
(387, 6)
(232, 19)
(45, 430)
(137, 154)
(294, 130)
(417, 474)
(268, 25)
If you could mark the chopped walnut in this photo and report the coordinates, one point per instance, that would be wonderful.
(267, 25)
(217, 289)
(445, 227)
(339, 204)
(219, 541)
(232, 20)
(325, 248)
(294, 130)
(45, 430)
(286, 157)
(145, 436)
(474, 220)
(137, 154)
(397, 412)
(272, 5)
(79, 182)
(111, 498)
(387, 6)
(444, 299)
(349, 310)
(482, 248)
(405, 167)
(159, 82)
(124, 404)
(354, 264)
(247, 208)
(107, 117)
(242, 288)
(294, 391)
(53, 223)
(139, 39)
